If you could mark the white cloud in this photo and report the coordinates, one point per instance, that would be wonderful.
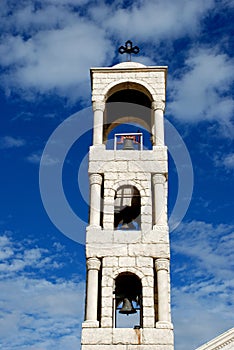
(203, 298)
(51, 47)
(202, 92)
(224, 161)
(228, 161)
(35, 158)
(37, 313)
(52, 51)
(152, 20)
(11, 142)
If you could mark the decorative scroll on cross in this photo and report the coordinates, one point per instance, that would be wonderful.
(129, 49)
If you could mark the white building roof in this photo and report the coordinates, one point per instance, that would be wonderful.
(225, 341)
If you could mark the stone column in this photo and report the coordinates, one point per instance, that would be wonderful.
(158, 128)
(95, 199)
(162, 269)
(159, 199)
(93, 266)
(98, 110)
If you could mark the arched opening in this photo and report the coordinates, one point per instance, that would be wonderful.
(128, 301)
(127, 103)
(127, 208)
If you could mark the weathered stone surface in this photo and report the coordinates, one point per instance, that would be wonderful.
(96, 336)
(159, 336)
(153, 250)
(126, 336)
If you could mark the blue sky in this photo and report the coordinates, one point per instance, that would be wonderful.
(46, 50)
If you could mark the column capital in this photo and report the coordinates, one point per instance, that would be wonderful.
(99, 105)
(159, 179)
(95, 179)
(93, 264)
(158, 105)
(162, 264)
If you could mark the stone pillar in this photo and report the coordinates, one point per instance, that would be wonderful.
(95, 199)
(159, 199)
(162, 269)
(98, 110)
(93, 266)
(158, 128)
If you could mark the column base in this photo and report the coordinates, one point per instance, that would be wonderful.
(93, 227)
(90, 324)
(164, 324)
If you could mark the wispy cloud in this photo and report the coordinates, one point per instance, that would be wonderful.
(226, 161)
(203, 266)
(37, 313)
(11, 142)
(35, 158)
(203, 90)
(57, 42)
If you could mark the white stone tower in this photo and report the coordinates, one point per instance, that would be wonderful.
(127, 244)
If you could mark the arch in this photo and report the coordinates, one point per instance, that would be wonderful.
(125, 120)
(117, 184)
(127, 208)
(133, 270)
(128, 300)
(122, 84)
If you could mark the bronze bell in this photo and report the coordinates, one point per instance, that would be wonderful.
(128, 144)
(127, 307)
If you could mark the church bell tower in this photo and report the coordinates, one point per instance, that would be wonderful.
(127, 240)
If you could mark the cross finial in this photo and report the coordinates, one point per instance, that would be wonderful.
(128, 49)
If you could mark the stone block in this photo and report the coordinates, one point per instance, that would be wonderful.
(126, 336)
(98, 236)
(107, 292)
(147, 271)
(96, 167)
(107, 281)
(156, 235)
(107, 271)
(148, 281)
(108, 225)
(144, 261)
(148, 302)
(148, 311)
(148, 291)
(106, 311)
(110, 261)
(154, 250)
(96, 336)
(123, 236)
(148, 322)
(146, 209)
(158, 336)
(99, 153)
(102, 250)
(110, 176)
(121, 166)
(107, 301)
(148, 166)
(127, 261)
(127, 155)
(106, 322)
